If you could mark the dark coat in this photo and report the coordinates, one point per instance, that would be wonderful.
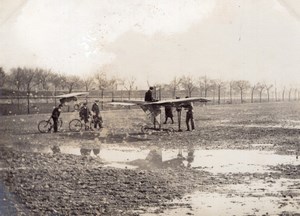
(55, 113)
(84, 112)
(168, 111)
(148, 96)
(95, 109)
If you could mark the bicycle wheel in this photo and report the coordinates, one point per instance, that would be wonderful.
(44, 126)
(75, 125)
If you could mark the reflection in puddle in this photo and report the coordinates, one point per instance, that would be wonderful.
(224, 161)
(222, 204)
(215, 161)
(256, 198)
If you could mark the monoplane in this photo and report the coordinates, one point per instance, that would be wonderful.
(153, 109)
(65, 98)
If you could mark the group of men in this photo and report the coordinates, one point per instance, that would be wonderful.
(84, 115)
(188, 106)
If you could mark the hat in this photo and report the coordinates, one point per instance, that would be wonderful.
(60, 105)
(85, 104)
(96, 101)
(151, 88)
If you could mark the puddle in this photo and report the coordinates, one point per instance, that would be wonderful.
(262, 145)
(221, 204)
(224, 161)
(275, 126)
(256, 198)
(214, 161)
(268, 196)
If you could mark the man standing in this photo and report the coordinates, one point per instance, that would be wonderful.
(55, 115)
(84, 113)
(96, 115)
(178, 109)
(189, 115)
(148, 95)
(168, 114)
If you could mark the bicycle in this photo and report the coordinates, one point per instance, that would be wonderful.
(45, 126)
(76, 125)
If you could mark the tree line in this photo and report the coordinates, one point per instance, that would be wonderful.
(24, 80)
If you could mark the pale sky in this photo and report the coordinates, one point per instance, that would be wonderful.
(155, 40)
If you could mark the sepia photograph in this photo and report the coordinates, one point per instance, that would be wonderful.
(150, 107)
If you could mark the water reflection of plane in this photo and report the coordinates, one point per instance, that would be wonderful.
(154, 159)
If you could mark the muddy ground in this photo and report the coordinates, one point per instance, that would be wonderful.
(39, 178)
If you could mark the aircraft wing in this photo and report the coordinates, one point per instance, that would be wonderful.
(172, 102)
(176, 102)
(127, 102)
(122, 103)
(70, 95)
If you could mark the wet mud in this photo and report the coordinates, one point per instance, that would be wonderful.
(230, 165)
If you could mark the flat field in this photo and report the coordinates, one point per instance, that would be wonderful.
(239, 157)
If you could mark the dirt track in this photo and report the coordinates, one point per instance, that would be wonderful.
(62, 184)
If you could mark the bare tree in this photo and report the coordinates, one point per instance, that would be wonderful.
(283, 92)
(242, 86)
(260, 87)
(63, 81)
(175, 84)
(102, 82)
(88, 82)
(212, 88)
(253, 87)
(219, 84)
(113, 84)
(29, 81)
(204, 85)
(44, 78)
(231, 86)
(129, 85)
(268, 88)
(55, 80)
(73, 82)
(2, 77)
(121, 85)
(290, 92)
(188, 84)
(275, 92)
(16, 79)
